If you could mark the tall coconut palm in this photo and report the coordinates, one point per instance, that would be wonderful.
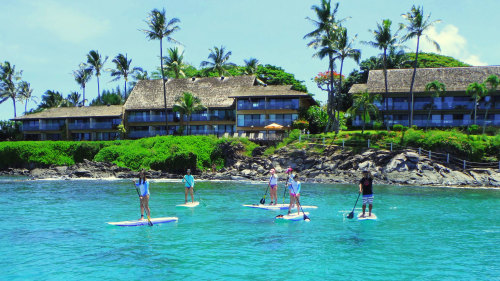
(344, 50)
(363, 103)
(26, 94)
(436, 89)
(324, 38)
(96, 63)
(174, 63)
(383, 40)
(251, 66)
(219, 60)
(476, 91)
(51, 99)
(492, 81)
(160, 28)
(8, 79)
(122, 64)
(82, 76)
(416, 25)
(186, 105)
(74, 98)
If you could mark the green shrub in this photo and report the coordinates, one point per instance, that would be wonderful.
(399, 128)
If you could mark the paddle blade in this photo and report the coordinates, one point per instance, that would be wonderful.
(306, 218)
(263, 201)
(351, 215)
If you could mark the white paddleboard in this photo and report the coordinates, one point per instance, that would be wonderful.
(366, 217)
(276, 207)
(145, 221)
(189, 204)
(293, 216)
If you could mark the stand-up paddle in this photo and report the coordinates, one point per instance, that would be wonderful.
(351, 214)
(306, 218)
(139, 194)
(263, 199)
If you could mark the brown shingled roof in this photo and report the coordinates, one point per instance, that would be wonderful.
(398, 80)
(75, 112)
(212, 91)
(271, 90)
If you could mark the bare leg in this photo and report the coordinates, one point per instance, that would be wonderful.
(276, 196)
(364, 207)
(185, 195)
(370, 210)
(146, 206)
(291, 203)
(141, 200)
(298, 203)
(192, 197)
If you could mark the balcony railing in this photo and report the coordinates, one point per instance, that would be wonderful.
(31, 127)
(139, 119)
(138, 134)
(50, 127)
(81, 126)
(255, 123)
(103, 125)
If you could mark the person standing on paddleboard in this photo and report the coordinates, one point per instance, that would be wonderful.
(294, 189)
(273, 185)
(289, 178)
(365, 187)
(188, 181)
(142, 188)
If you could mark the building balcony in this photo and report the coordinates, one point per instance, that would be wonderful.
(81, 126)
(31, 128)
(138, 134)
(104, 125)
(50, 127)
(256, 123)
(138, 119)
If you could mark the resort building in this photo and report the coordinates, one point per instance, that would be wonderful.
(235, 106)
(72, 123)
(454, 108)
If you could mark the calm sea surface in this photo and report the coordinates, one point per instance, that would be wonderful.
(56, 230)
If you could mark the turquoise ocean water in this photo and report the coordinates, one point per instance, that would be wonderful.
(56, 230)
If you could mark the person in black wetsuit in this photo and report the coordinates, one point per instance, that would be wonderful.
(365, 187)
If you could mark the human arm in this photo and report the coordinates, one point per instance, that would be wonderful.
(360, 188)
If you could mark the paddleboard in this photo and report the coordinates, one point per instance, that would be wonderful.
(189, 204)
(366, 217)
(144, 222)
(277, 207)
(292, 216)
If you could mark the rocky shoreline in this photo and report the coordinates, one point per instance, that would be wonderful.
(332, 165)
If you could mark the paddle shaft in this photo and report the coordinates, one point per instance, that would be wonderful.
(305, 216)
(352, 213)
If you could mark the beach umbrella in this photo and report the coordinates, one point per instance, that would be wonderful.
(272, 126)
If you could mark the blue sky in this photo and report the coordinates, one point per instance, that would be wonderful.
(49, 39)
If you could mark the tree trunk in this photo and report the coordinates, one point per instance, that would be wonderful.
(363, 118)
(410, 102)
(386, 88)
(484, 121)
(83, 90)
(475, 109)
(14, 101)
(98, 91)
(164, 90)
(339, 92)
(429, 116)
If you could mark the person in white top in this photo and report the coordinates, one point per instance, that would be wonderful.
(273, 185)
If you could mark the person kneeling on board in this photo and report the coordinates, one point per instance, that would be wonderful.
(188, 181)
(142, 188)
(294, 188)
(365, 187)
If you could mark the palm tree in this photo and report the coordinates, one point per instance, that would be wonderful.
(96, 63)
(364, 103)
(8, 78)
(344, 50)
(123, 69)
(219, 60)
(416, 26)
(74, 99)
(436, 89)
(493, 81)
(324, 37)
(477, 91)
(174, 63)
(251, 66)
(186, 105)
(51, 99)
(159, 29)
(82, 76)
(383, 40)
(26, 94)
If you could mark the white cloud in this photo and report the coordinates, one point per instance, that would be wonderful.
(68, 24)
(452, 44)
